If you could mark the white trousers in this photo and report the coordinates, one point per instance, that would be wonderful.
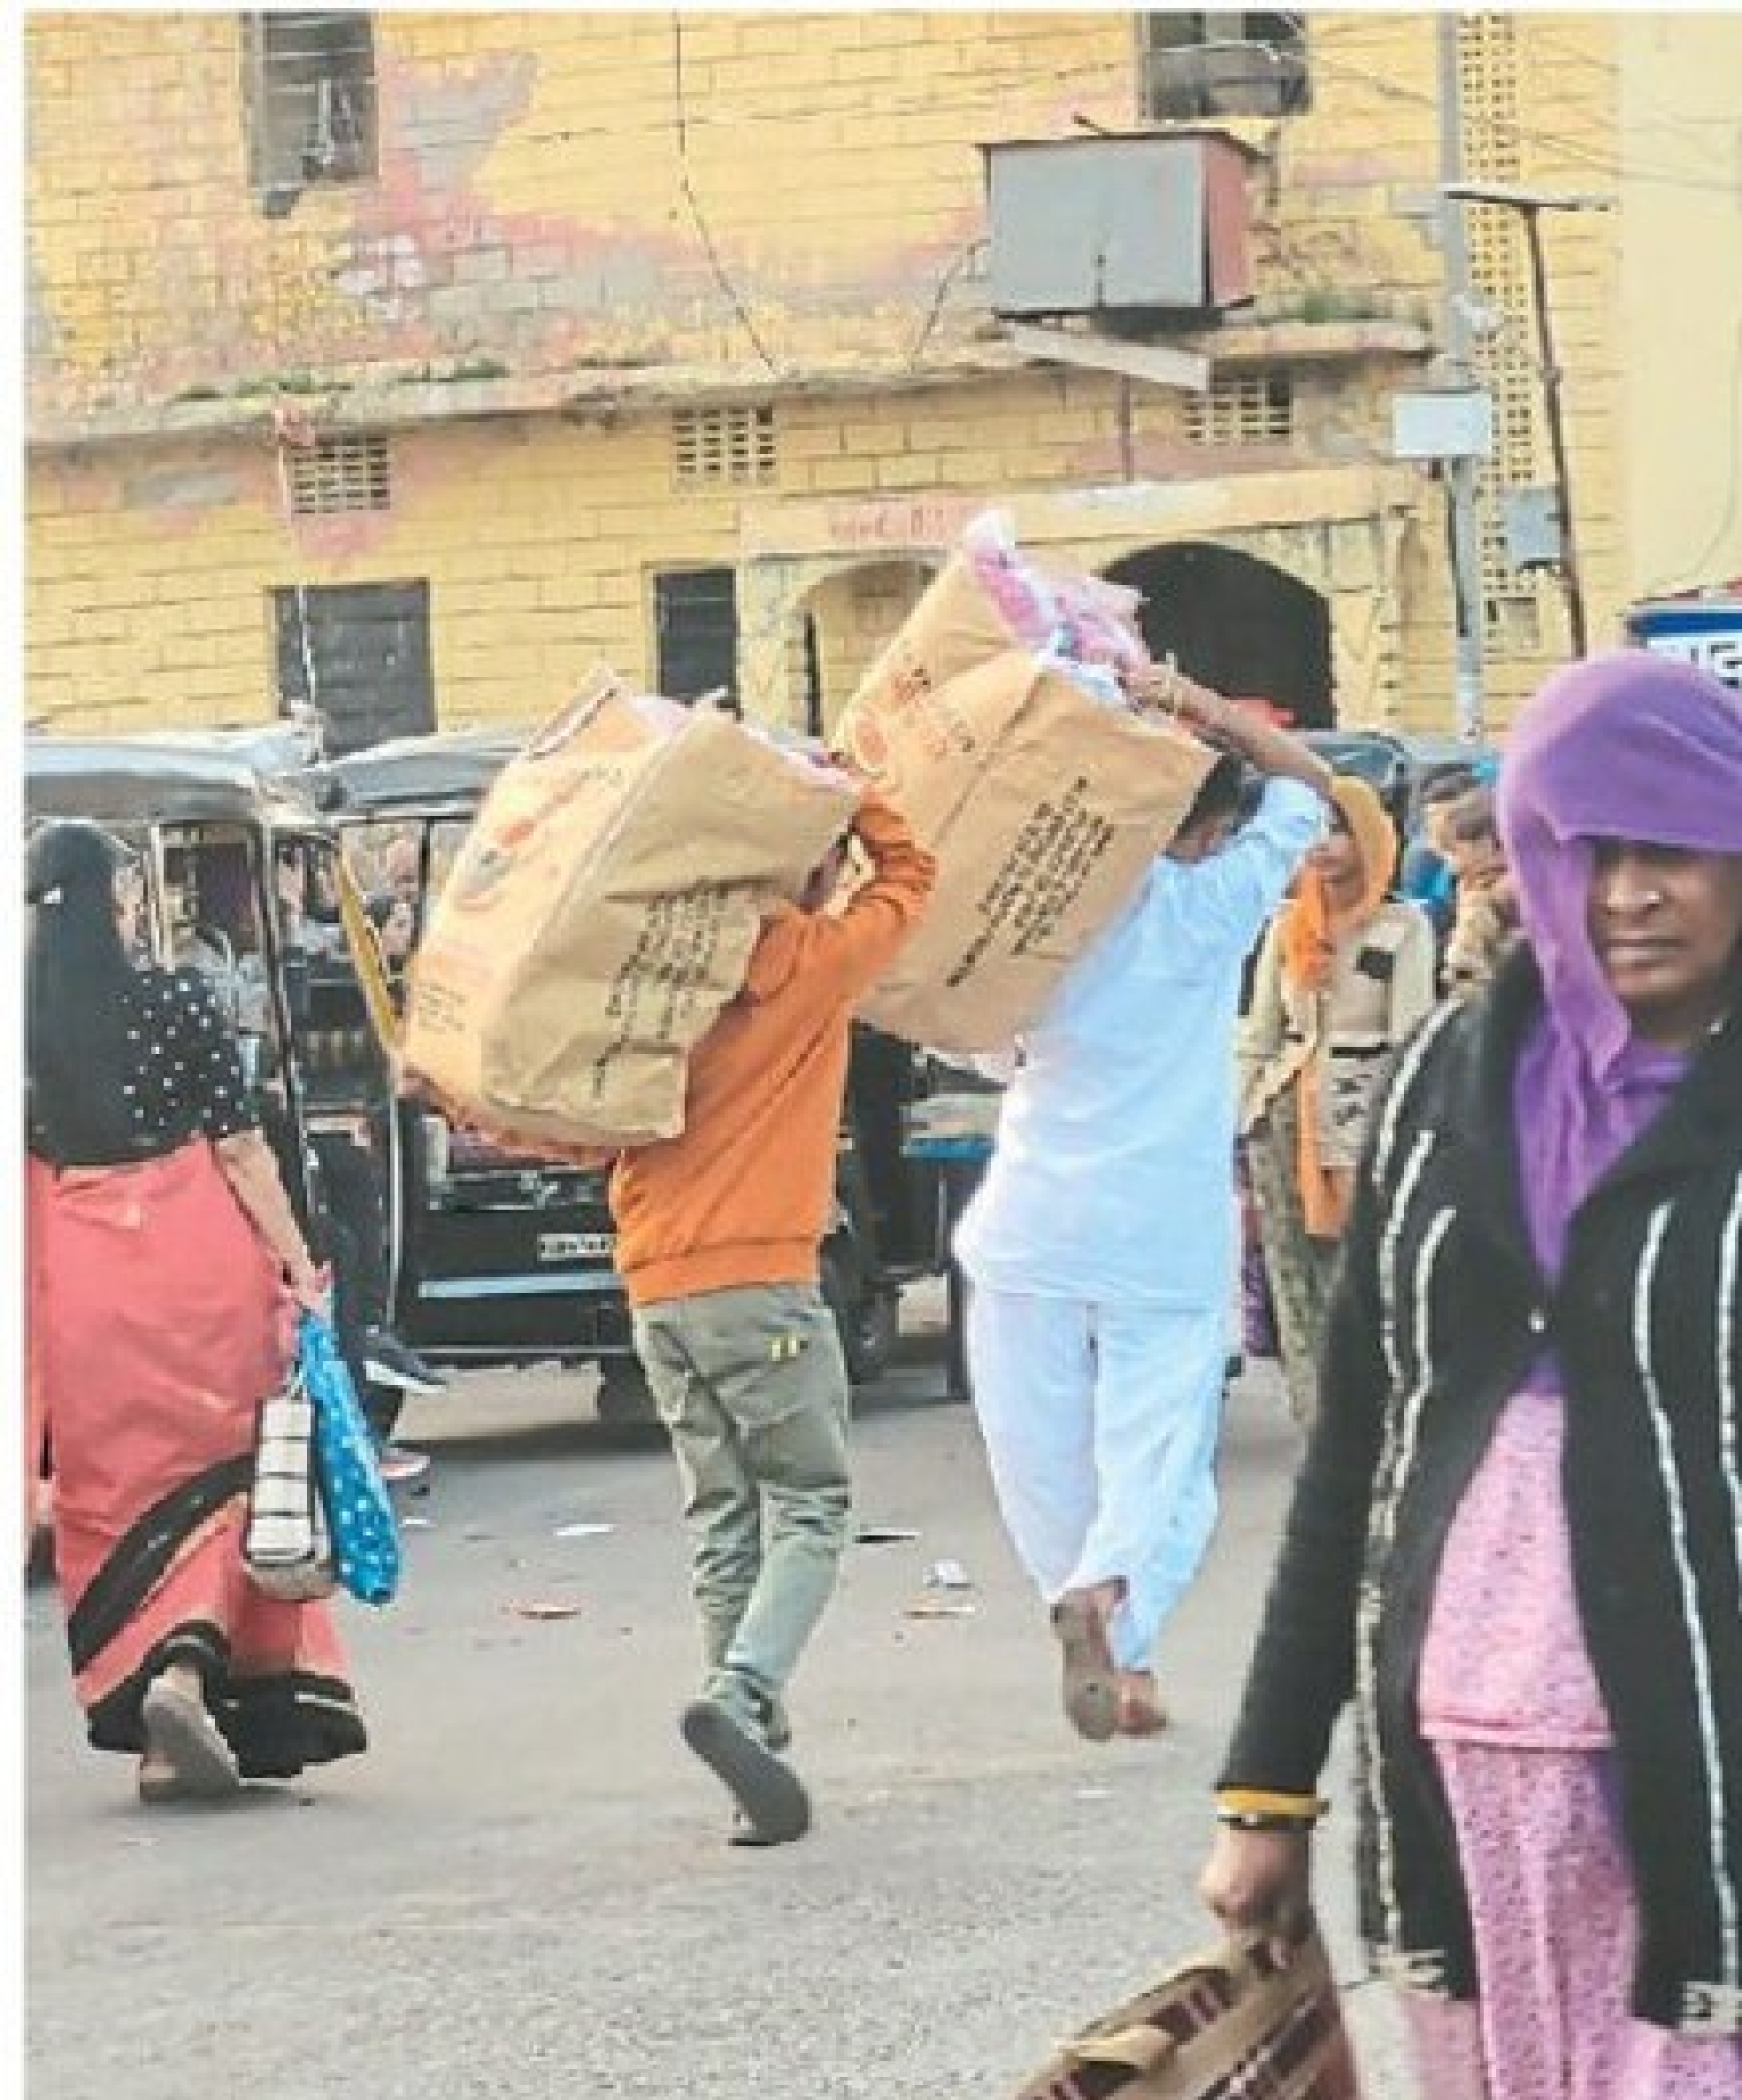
(1100, 1424)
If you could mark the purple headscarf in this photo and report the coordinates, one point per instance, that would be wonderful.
(1626, 746)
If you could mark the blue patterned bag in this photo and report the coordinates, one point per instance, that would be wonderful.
(359, 1510)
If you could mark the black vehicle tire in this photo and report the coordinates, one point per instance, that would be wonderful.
(626, 1399)
(869, 1320)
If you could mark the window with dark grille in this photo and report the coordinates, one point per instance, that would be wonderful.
(695, 631)
(1224, 63)
(730, 447)
(352, 471)
(360, 653)
(1243, 408)
(311, 97)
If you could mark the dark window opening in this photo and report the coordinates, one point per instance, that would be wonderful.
(359, 655)
(311, 98)
(1224, 63)
(695, 633)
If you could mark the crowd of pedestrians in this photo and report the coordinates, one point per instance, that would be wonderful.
(1488, 1087)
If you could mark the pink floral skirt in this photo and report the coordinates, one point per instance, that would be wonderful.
(1552, 1907)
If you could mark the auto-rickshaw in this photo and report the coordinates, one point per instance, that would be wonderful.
(506, 1256)
(217, 832)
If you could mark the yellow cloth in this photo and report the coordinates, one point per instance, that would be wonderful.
(366, 949)
(1312, 932)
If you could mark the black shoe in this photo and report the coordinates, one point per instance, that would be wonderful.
(775, 1725)
(745, 1836)
(775, 1806)
(388, 1362)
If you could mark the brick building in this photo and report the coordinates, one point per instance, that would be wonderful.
(410, 362)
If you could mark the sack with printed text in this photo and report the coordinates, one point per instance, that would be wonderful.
(602, 912)
(1044, 808)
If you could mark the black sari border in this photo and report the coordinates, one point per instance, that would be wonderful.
(143, 1555)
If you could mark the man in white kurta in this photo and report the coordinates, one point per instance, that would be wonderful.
(1101, 1249)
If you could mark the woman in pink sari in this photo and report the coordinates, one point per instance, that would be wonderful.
(165, 1265)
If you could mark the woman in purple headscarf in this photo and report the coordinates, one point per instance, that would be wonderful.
(1516, 1540)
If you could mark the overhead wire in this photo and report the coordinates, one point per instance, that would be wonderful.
(1573, 150)
(990, 99)
(722, 275)
(947, 278)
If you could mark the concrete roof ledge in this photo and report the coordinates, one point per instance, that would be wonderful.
(604, 391)
(594, 390)
(1311, 343)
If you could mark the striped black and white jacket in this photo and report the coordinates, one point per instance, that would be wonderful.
(1439, 1312)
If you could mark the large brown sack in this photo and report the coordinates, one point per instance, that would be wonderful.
(602, 911)
(1044, 807)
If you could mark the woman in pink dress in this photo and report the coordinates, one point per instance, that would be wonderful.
(164, 1269)
(1516, 1540)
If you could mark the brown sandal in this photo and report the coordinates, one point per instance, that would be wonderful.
(1091, 1682)
(193, 1761)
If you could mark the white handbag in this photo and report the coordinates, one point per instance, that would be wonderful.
(286, 1547)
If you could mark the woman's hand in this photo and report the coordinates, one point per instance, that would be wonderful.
(311, 1288)
(1258, 1883)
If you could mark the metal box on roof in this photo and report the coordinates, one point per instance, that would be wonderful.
(1143, 223)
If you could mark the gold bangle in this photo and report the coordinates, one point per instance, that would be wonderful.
(1257, 1801)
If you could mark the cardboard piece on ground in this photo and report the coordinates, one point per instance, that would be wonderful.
(1044, 807)
(602, 912)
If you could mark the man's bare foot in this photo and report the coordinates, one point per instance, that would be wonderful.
(1141, 1709)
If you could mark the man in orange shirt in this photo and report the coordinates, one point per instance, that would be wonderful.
(718, 1238)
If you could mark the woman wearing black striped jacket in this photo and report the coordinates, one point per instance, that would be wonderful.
(1516, 1540)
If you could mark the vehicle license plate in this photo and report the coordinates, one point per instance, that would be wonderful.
(576, 1246)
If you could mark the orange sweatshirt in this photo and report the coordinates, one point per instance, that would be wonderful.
(744, 1195)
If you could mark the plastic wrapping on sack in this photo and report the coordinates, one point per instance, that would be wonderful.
(1077, 620)
(990, 598)
(360, 1520)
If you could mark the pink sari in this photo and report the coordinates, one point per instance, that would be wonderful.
(158, 1324)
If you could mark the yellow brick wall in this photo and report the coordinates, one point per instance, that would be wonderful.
(547, 194)
(1682, 129)
(537, 212)
(148, 566)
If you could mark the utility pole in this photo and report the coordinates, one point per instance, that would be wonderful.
(1460, 472)
(1531, 204)
(1573, 582)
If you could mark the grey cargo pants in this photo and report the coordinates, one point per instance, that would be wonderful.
(752, 1387)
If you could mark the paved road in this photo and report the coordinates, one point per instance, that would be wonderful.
(523, 1891)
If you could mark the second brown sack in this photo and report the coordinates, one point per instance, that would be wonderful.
(1044, 806)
